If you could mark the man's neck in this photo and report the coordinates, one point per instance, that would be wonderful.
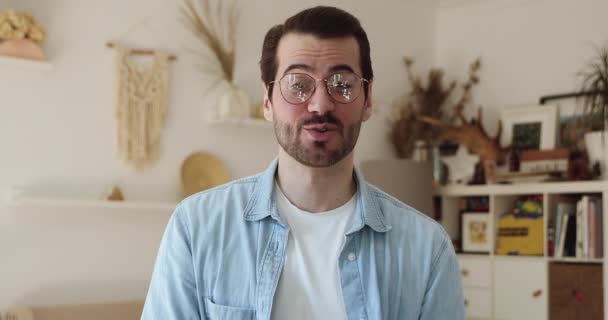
(316, 189)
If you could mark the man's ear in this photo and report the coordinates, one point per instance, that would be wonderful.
(367, 105)
(267, 104)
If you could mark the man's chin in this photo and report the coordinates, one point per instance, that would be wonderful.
(319, 158)
(322, 146)
(317, 163)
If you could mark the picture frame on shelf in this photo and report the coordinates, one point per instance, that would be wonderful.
(573, 124)
(531, 127)
(476, 232)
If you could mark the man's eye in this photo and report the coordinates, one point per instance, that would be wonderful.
(297, 86)
(340, 85)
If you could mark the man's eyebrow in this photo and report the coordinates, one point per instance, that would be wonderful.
(305, 67)
(297, 66)
(341, 67)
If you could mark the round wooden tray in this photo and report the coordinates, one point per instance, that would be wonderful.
(201, 171)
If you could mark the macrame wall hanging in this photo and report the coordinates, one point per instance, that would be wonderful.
(141, 105)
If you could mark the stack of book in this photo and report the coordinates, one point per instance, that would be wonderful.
(578, 228)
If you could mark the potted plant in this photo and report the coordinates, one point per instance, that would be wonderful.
(20, 36)
(594, 89)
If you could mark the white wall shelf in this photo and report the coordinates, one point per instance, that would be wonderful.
(247, 122)
(47, 202)
(25, 63)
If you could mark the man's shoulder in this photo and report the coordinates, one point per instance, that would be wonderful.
(236, 193)
(402, 216)
(232, 186)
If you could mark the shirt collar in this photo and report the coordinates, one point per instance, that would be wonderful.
(368, 212)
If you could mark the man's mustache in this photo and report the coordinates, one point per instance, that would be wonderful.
(326, 118)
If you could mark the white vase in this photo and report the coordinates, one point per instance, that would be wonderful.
(596, 143)
(234, 103)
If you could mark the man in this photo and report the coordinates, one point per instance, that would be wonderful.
(308, 238)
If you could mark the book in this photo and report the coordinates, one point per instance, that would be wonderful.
(581, 227)
(562, 240)
(599, 227)
(585, 227)
(558, 222)
(595, 227)
(562, 208)
(570, 236)
(578, 242)
(591, 233)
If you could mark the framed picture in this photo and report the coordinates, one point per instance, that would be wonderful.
(476, 232)
(573, 122)
(529, 127)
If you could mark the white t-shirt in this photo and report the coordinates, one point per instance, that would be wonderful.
(309, 286)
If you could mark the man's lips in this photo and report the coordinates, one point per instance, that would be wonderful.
(320, 132)
(320, 127)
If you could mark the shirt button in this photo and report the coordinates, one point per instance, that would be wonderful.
(351, 257)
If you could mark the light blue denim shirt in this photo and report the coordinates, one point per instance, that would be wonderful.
(223, 250)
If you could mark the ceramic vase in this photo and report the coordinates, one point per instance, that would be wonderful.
(596, 143)
(22, 48)
(234, 103)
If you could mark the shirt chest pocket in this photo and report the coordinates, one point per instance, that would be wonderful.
(215, 311)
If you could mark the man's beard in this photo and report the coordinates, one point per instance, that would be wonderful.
(317, 155)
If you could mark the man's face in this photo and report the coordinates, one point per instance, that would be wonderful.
(319, 132)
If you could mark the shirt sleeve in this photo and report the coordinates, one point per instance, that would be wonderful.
(173, 293)
(444, 298)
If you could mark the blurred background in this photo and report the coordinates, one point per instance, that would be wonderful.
(58, 127)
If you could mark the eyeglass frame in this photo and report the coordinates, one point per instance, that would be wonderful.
(363, 80)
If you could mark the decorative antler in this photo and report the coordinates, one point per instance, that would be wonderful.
(472, 135)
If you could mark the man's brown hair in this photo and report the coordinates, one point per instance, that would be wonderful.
(324, 23)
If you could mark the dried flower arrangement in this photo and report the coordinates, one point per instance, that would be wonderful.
(427, 100)
(219, 57)
(20, 25)
(205, 24)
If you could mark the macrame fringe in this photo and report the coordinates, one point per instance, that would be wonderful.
(141, 108)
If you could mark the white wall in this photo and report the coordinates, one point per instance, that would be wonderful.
(529, 48)
(57, 131)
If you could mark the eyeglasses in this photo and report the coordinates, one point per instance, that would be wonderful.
(342, 87)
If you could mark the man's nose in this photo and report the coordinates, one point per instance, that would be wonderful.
(321, 102)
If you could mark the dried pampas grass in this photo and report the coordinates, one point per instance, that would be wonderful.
(207, 24)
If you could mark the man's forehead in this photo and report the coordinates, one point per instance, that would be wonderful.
(312, 54)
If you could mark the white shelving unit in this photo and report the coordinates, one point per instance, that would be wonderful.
(25, 63)
(524, 188)
(514, 287)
